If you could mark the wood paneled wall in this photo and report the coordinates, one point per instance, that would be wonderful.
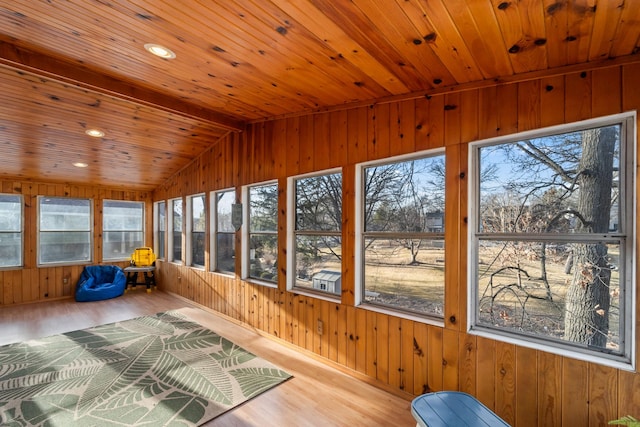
(33, 284)
(524, 386)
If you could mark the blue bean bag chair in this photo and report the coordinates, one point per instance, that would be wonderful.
(99, 282)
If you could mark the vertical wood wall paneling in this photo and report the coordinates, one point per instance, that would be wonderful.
(526, 392)
(436, 122)
(603, 394)
(629, 402)
(395, 352)
(361, 341)
(552, 98)
(450, 362)
(549, 389)
(357, 135)
(488, 112)
(382, 347)
(506, 381)
(575, 393)
(524, 386)
(578, 96)
(467, 361)
(453, 183)
(486, 372)
(348, 234)
(420, 359)
(32, 283)
(292, 146)
(406, 357)
(507, 109)
(350, 337)
(338, 142)
(378, 132)
(435, 358)
(306, 144)
(371, 345)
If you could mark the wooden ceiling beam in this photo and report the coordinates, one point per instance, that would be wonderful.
(35, 62)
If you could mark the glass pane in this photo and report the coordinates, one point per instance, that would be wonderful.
(10, 249)
(120, 244)
(177, 246)
(319, 203)
(197, 248)
(407, 274)
(177, 214)
(319, 263)
(226, 252)
(263, 257)
(10, 213)
(161, 244)
(162, 216)
(565, 183)
(405, 196)
(160, 229)
(568, 292)
(198, 213)
(60, 214)
(224, 201)
(120, 215)
(263, 205)
(65, 247)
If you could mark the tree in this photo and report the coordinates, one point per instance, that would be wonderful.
(588, 297)
(406, 198)
(558, 184)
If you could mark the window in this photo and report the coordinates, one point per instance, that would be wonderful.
(160, 229)
(175, 235)
(64, 230)
(10, 230)
(122, 228)
(261, 238)
(196, 229)
(400, 246)
(551, 238)
(316, 239)
(223, 238)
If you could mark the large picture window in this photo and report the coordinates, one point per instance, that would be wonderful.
(160, 229)
(315, 214)
(261, 238)
(10, 230)
(64, 230)
(175, 231)
(400, 246)
(551, 243)
(196, 230)
(122, 229)
(223, 238)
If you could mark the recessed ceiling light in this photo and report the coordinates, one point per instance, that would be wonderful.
(96, 133)
(80, 165)
(160, 51)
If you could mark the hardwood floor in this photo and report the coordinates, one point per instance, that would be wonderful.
(317, 395)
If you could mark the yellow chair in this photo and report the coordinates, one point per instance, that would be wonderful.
(143, 257)
(143, 261)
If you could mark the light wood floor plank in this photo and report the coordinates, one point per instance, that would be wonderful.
(317, 395)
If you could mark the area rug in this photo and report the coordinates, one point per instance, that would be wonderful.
(162, 370)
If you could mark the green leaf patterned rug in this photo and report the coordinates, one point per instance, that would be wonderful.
(162, 370)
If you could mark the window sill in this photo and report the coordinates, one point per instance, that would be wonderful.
(313, 294)
(261, 282)
(403, 314)
(617, 362)
(224, 274)
(64, 264)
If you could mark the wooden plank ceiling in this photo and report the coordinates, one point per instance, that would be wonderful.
(69, 65)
